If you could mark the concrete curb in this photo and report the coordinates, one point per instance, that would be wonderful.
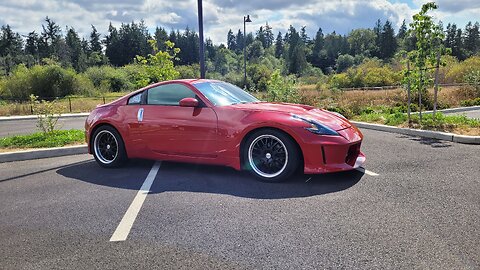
(29, 117)
(421, 133)
(43, 153)
(454, 110)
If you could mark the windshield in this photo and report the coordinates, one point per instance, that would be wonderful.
(222, 93)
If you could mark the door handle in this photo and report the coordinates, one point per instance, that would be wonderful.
(140, 115)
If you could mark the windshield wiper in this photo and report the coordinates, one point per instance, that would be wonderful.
(240, 102)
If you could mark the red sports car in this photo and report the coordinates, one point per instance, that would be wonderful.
(214, 122)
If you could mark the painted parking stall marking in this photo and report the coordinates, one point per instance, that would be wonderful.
(365, 171)
(123, 229)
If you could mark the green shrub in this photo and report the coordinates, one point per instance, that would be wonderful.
(344, 62)
(48, 113)
(235, 78)
(343, 111)
(109, 79)
(259, 75)
(370, 73)
(188, 72)
(281, 89)
(46, 81)
(312, 75)
(458, 71)
(396, 119)
(471, 102)
(340, 81)
(473, 78)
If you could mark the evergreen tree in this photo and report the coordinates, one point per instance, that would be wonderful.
(454, 41)
(471, 38)
(10, 42)
(112, 46)
(95, 44)
(74, 47)
(279, 45)
(161, 36)
(124, 45)
(450, 35)
(318, 44)
(31, 45)
(249, 39)
(210, 49)
(240, 41)
(51, 41)
(10, 49)
(173, 36)
(261, 37)
(335, 45)
(231, 41)
(388, 41)
(458, 45)
(295, 58)
(188, 44)
(402, 31)
(303, 34)
(269, 37)
(265, 36)
(377, 29)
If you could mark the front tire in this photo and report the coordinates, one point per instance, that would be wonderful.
(108, 147)
(270, 155)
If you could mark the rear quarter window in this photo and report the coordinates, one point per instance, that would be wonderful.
(135, 99)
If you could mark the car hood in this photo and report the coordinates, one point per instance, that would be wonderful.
(322, 116)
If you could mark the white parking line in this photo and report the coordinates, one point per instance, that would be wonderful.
(123, 229)
(363, 170)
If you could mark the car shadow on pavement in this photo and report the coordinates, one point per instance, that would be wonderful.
(434, 143)
(130, 176)
(181, 177)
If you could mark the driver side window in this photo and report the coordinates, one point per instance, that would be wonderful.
(168, 94)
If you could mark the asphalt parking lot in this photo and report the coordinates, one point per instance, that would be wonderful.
(470, 114)
(421, 211)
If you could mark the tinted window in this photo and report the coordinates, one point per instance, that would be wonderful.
(136, 99)
(168, 94)
(221, 93)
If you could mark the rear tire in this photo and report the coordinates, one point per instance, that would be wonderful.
(270, 155)
(108, 147)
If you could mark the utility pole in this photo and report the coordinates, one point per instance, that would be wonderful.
(245, 20)
(201, 43)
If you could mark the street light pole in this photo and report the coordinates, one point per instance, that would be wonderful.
(201, 43)
(245, 20)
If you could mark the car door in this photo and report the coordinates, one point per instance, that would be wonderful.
(169, 129)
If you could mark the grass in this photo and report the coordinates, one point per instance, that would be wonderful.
(458, 124)
(56, 138)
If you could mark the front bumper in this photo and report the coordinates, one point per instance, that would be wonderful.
(326, 154)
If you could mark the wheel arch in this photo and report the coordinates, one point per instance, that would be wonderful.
(251, 132)
(95, 128)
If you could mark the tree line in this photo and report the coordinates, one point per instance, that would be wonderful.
(292, 52)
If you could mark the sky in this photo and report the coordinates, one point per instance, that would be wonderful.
(221, 15)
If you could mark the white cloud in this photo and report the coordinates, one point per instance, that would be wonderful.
(222, 15)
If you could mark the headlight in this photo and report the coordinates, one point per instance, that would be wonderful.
(316, 127)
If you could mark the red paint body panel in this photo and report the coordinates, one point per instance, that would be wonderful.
(213, 134)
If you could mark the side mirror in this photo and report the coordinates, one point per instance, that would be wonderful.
(188, 102)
